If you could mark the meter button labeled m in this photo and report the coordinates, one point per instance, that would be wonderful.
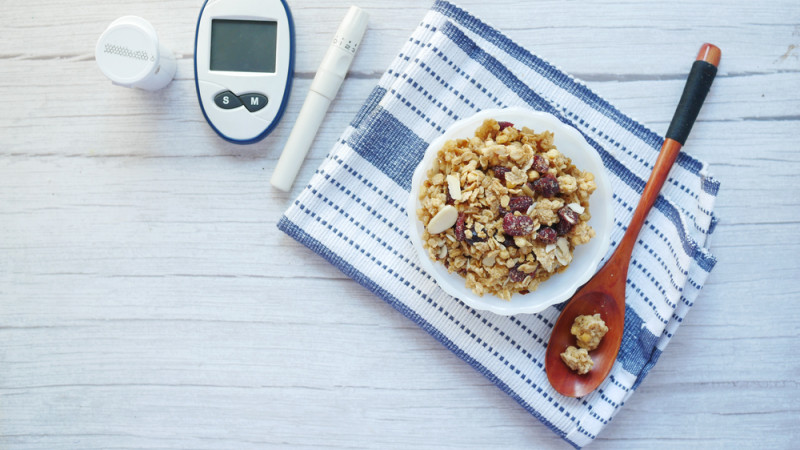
(253, 102)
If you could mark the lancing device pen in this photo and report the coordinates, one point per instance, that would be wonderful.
(323, 90)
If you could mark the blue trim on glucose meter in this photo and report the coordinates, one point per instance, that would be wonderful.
(286, 91)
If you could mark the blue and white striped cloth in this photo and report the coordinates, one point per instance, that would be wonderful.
(353, 213)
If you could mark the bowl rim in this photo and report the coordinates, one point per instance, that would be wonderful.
(496, 304)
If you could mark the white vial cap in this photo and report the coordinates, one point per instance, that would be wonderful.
(130, 55)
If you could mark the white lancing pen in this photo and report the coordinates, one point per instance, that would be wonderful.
(327, 81)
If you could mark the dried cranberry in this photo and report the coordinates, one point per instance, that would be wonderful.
(517, 225)
(460, 235)
(504, 125)
(520, 204)
(568, 214)
(516, 275)
(540, 164)
(500, 173)
(568, 218)
(547, 186)
(448, 199)
(562, 227)
(547, 235)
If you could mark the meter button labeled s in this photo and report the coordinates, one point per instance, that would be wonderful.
(253, 102)
(226, 100)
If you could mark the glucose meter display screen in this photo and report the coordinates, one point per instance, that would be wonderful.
(243, 45)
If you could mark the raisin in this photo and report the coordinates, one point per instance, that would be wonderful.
(562, 227)
(517, 225)
(520, 204)
(448, 199)
(547, 186)
(516, 275)
(508, 241)
(500, 173)
(540, 164)
(547, 235)
(504, 125)
(459, 228)
(475, 238)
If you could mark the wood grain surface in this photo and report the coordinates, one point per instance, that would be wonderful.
(147, 299)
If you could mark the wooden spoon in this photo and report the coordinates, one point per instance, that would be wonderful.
(605, 292)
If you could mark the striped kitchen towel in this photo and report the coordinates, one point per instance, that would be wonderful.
(353, 212)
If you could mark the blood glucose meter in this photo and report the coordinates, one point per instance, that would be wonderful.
(243, 66)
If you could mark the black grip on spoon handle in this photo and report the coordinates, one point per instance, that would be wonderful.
(694, 94)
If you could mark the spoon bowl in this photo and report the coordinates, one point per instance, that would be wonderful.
(585, 302)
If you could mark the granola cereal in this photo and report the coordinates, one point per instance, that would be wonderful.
(589, 331)
(578, 360)
(521, 208)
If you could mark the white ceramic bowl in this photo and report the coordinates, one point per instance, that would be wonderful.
(559, 287)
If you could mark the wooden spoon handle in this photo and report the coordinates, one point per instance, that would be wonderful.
(694, 94)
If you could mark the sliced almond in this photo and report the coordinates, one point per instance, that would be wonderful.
(444, 219)
(563, 258)
(562, 251)
(549, 248)
(577, 208)
(488, 261)
(563, 244)
(527, 189)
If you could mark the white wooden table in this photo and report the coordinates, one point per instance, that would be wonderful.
(148, 300)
